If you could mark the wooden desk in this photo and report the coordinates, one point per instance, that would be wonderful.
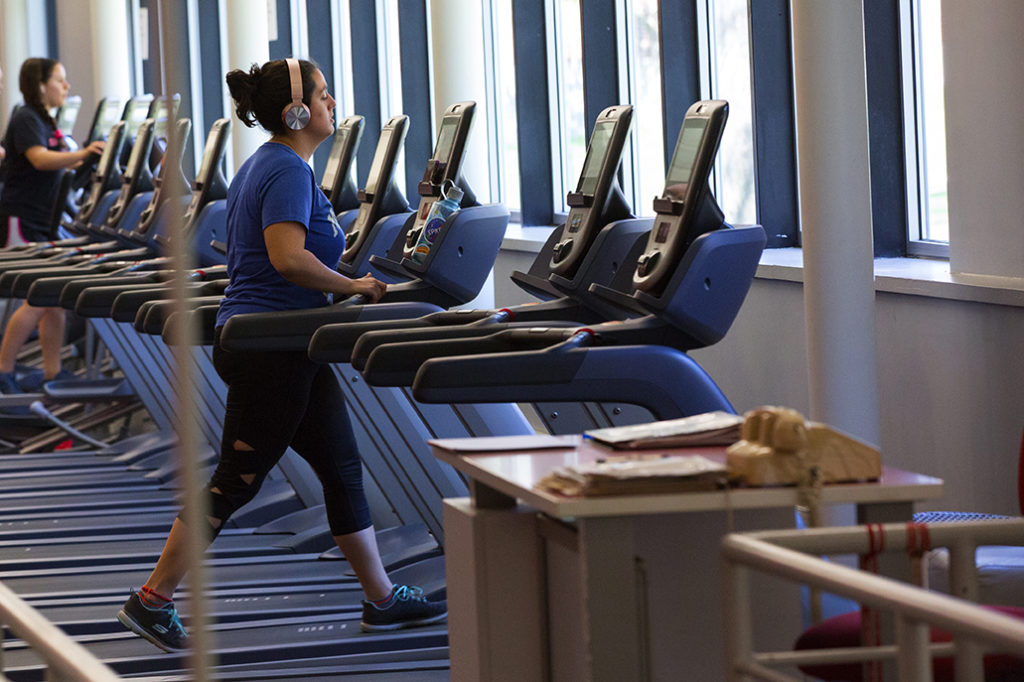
(619, 588)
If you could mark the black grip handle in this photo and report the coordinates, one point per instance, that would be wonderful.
(336, 342)
(396, 364)
(371, 341)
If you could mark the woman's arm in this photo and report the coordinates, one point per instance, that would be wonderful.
(286, 246)
(43, 159)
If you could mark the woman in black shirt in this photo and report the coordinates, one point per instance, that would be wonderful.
(36, 153)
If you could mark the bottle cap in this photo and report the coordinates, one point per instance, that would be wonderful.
(452, 191)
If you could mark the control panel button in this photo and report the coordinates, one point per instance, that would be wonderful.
(561, 250)
(645, 263)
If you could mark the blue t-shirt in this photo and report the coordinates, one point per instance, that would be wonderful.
(274, 185)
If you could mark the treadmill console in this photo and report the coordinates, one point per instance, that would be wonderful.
(107, 114)
(337, 182)
(67, 115)
(170, 181)
(135, 112)
(105, 170)
(134, 172)
(587, 202)
(162, 111)
(139, 151)
(209, 174)
(686, 208)
(444, 164)
(378, 183)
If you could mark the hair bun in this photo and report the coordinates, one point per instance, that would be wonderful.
(244, 88)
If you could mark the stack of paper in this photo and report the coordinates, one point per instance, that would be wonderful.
(636, 475)
(711, 428)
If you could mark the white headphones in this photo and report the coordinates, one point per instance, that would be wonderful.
(296, 114)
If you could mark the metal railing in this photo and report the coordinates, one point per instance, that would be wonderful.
(66, 659)
(794, 555)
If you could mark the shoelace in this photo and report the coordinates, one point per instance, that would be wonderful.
(175, 620)
(406, 592)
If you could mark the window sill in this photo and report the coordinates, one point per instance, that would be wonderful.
(909, 276)
(525, 239)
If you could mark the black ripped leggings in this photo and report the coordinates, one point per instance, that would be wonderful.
(278, 399)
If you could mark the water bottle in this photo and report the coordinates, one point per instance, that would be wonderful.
(440, 211)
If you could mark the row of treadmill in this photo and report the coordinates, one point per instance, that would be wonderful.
(619, 302)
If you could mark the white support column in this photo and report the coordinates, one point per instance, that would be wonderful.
(13, 51)
(111, 57)
(247, 43)
(457, 50)
(835, 206)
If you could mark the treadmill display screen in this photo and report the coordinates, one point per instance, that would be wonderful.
(67, 115)
(334, 160)
(160, 118)
(684, 157)
(446, 139)
(109, 115)
(373, 177)
(595, 157)
(137, 112)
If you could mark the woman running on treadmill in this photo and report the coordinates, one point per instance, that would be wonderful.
(36, 153)
(283, 245)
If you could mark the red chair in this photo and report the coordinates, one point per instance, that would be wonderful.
(845, 630)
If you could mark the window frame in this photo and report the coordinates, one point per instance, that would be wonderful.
(417, 88)
(557, 127)
(365, 70)
(532, 45)
(912, 132)
(773, 97)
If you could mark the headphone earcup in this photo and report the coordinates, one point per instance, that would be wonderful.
(296, 116)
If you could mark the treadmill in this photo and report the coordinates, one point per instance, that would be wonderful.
(50, 289)
(107, 473)
(94, 258)
(686, 289)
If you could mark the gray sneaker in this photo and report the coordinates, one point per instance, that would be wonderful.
(160, 626)
(9, 386)
(408, 608)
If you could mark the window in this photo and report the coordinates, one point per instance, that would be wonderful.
(569, 128)
(643, 65)
(925, 128)
(729, 64)
(501, 92)
(390, 60)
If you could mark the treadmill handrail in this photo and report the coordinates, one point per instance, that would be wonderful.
(663, 380)
(292, 329)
